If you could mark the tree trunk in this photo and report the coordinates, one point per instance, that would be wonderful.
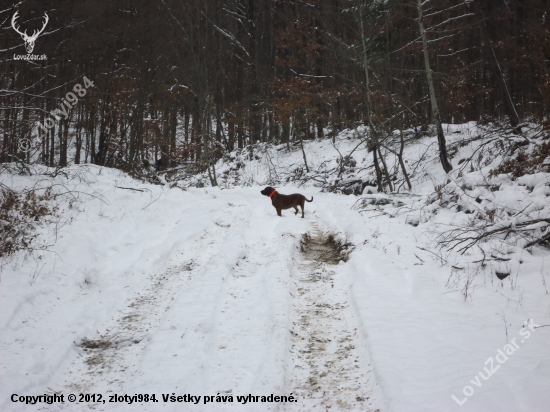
(173, 130)
(52, 147)
(385, 169)
(63, 136)
(78, 143)
(400, 157)
(506, 97)
(447, 166)
(372, 142)
(186, 134)
(377, 169)
(303, 151)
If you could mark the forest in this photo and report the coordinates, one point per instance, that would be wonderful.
(154, 160)
(176, 82)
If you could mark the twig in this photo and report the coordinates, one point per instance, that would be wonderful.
(500, 259)
(152, 201)
(175, 168)
(539, 240)
(130, 188)
(482, 251)
(443, 261)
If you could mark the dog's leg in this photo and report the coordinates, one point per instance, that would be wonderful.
(279, 212)
(302, 206)
(296, 208)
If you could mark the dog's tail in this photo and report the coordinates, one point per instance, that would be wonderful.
(309, 200)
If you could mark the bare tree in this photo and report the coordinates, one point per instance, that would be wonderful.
(443, 157)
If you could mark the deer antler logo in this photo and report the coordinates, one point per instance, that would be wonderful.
(29, 40)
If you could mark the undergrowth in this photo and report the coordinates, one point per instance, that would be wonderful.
(20, 215)
(526, 163)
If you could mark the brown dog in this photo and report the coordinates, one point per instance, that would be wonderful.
(281, 202)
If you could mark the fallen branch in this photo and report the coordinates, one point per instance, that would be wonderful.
(458, 237)
(545, 238)
(176, 168)
(131, 188)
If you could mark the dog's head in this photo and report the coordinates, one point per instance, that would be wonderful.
(267, 191)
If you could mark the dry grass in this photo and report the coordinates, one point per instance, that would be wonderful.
(20, 214)
(525, 163)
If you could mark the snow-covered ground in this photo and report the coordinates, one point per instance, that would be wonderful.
(208, 292)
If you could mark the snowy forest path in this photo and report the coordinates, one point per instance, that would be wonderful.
(207, 300)
(212, 319)
(328, 362)
(111, 357)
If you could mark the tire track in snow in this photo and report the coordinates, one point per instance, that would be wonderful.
(109, 359)
(328, 363)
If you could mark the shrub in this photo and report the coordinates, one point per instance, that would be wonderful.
(525, 163)
(20, 214)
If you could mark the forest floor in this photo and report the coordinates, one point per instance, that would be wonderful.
(207, 292)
